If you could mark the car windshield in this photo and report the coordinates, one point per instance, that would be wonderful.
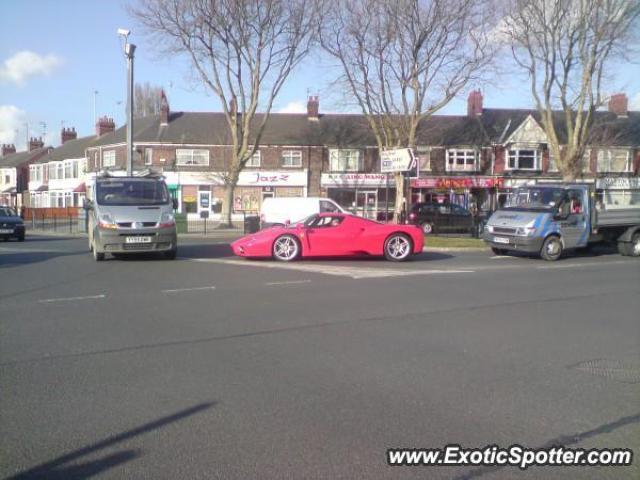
(139, 191)
(7, 212)
(535, 199)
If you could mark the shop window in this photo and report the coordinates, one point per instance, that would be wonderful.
(109, 158)
(255, 159)
(462, 160)
(192, 157)
(344, 160)
(524, 159)
(291, 158)
(613, 160)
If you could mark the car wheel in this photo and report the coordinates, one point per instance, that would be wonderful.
(633, 248)
(171, 254)
(427, 228)
(97, 256)
(551, 248)
(397, 247)
(498, 251)
(286, 248)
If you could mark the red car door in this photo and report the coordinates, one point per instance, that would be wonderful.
(330, 235)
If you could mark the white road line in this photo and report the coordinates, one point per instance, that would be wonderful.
(588, 264)
(500, 257)
(290, 282)
(192, 289)
(71, 299)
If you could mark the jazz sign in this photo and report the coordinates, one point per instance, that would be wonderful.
(396, 160)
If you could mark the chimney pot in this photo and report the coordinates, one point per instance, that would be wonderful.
(68, 134)
(619, 104)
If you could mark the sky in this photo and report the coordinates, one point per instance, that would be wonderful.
(56, 54)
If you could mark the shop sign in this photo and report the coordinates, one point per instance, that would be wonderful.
(380, 180)
(188, 198)
(457, 182)
(260, 178)
(618, 183)
(396, 160)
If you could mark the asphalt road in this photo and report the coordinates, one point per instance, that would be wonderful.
(215, 367)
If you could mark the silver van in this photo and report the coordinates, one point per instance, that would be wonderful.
(131, 215)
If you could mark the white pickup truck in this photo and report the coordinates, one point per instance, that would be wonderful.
(548, 219)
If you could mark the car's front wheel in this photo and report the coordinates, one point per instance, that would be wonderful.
(551, 248)
(286, 248)
(397, 247)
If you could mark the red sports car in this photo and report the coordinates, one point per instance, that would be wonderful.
(332, 234)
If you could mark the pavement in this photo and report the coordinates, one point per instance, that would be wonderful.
(211, 366)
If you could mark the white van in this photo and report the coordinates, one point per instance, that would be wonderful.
(278, 211)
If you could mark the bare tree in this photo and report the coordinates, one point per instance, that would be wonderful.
(244, 51)
(147, 100)
(403, 60)
(565, 47)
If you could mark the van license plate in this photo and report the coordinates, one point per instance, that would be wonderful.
(500, 240)
(138, 240)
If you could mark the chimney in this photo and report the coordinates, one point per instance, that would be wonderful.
(105, 125)
(474, 103)
(35, 143)
(7, 149)
(619, 104)
(68, 134)
(164, 109)
(313, 107)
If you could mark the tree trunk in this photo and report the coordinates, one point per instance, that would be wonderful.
(227, 205)
(399, 197)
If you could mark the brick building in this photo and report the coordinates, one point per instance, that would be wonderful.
(14, 171)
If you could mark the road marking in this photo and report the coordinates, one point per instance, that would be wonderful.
(588, 264)
(71, 299)
(178, 290)
(354, 272)
(290, 282)
(499, 257)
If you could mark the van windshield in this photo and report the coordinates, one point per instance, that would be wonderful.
(535, 199)
(131, 191)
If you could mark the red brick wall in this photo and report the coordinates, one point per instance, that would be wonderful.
(500, 161)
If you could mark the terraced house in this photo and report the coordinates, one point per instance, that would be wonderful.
(14, 171)
(462, 159)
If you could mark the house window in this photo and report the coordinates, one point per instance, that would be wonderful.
(52, 171)
(7, 179)
(148, 156)
(524, 159)
(291, 158)
(68, 170)
(254, 161)
(459, 160)
(75, 169)
(109, 158)
(613, 160)
(190, 157)
(344, 160)
(424, 158)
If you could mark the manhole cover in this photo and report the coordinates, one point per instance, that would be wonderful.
(626, 372)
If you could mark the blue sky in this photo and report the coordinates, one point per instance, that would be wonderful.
(55, 53)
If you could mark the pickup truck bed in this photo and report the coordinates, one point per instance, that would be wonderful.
(617, 217)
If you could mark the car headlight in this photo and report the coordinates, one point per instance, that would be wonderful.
(167, 220)
(489, 228)
(107, 221)
(525, 231)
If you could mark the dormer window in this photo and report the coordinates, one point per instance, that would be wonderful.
(524, 159)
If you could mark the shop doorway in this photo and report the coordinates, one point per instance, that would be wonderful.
(367, 203)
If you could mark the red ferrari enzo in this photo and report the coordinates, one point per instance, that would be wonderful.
(332, 234)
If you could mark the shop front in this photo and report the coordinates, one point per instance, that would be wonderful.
(617, 192)
(463, 191)
(201, 194)
(370, 195)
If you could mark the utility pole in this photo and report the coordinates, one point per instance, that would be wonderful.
(129, 50)
(95, 95)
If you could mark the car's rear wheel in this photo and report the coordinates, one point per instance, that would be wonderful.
(397, 247)
(551, 248)
(427, 228)
(286, 248)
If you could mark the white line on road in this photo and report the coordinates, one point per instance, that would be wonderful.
(290, 282)
(71, 299)
(178, 290)
(586, 264)
(499, 257)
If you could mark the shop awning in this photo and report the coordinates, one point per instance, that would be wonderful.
(82, 188)
(42, 188)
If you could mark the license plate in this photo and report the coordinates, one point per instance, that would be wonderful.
(138, 240)
(5, 230)
(500, 240)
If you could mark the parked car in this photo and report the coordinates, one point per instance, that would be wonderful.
(332, 234)
(281, 211)
(11, 225)
(443, 217)
(131, 215)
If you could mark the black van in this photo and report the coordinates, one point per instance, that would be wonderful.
(441, 217)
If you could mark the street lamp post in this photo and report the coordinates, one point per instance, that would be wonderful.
(129, 50)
